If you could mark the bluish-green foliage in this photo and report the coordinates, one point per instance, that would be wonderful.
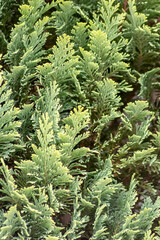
(80, 122)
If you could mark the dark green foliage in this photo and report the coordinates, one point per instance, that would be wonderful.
(80, 122)
(137, 30)
(9, 15)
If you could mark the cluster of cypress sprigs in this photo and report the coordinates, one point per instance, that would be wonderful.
(79, 119)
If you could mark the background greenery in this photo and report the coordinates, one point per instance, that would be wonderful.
(79, 119)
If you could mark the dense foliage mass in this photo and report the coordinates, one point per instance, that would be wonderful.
(79, 119)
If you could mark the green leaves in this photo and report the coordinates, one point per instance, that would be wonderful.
(106, 57)
(149, 87)
(64, 17)
(48, 102)
(62, 69)
(136, 121)
(137, 30)
(108, 20)
(9, 125)
(46, 159)
(137, 111)
(80, 89)
(80, 34)
(25, 48)
(105, 98)
(71, 136)
(14, 224)
(136, 19)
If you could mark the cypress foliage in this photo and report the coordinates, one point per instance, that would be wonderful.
(80, 122)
